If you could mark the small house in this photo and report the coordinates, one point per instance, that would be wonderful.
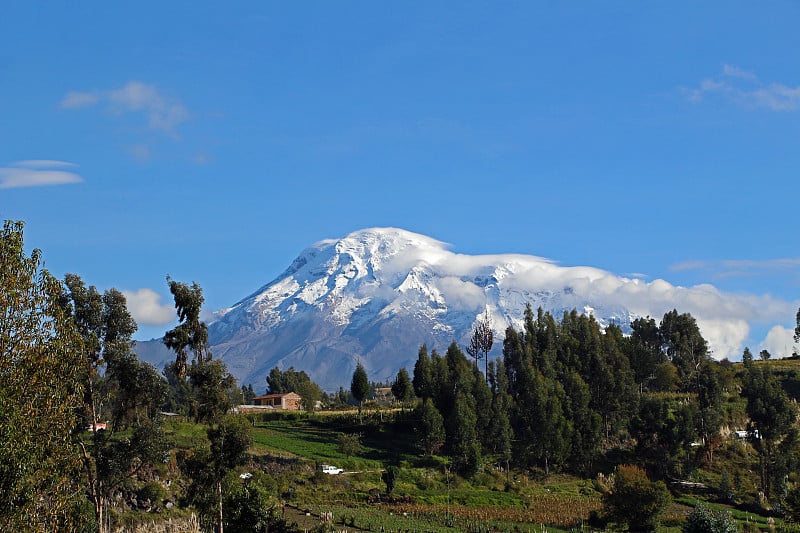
(289, 401)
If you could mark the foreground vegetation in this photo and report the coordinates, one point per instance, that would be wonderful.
(575, 426)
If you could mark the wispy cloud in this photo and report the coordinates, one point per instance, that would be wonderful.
(745, 88)
(736, 72)
(37, 173)
(163, 113)
(76, 100)
(140, 152)
(146, 307)
(728, 268)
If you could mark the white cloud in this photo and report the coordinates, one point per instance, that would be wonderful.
(725, 336)
(146, 307)
(511, 281)
(744, 88)
(463, 294)
(140, 152)
(735, 72)
(76, 100)
(37, 173)
(777, 97)
(724, 319)
(779, 342)
(44, 163)
(162, 112)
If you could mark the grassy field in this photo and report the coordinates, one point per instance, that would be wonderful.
(427, 496)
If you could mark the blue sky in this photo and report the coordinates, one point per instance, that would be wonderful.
(214, 141)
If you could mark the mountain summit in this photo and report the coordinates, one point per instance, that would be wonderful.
(377, 294)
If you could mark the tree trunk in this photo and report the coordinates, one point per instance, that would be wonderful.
(98, 514)
(219, 495)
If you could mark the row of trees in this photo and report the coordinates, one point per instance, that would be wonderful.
(564, 389)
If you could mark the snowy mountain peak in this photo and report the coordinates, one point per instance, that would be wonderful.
(377, 294)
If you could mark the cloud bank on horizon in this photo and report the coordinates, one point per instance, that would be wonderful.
(724, 318)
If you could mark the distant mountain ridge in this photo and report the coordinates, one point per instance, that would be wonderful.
(377, 294)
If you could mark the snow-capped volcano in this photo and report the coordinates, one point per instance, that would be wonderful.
(377, 294)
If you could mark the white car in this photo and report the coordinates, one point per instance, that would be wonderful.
(333, 470)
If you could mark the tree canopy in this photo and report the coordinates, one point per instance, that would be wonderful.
(40, 365)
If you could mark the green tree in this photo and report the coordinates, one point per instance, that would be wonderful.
(140, 391)
(310, 394)
(747, 357)
(248, 394)
(542, 431)
(402, 388)
(389, 477)
(771, 414)
(349, 443)
(212, 389)
(663, 431)
(179, 391)
(499, 430)
(634, 500)
(463, 445)
(250, 503)
(359, 386)
(480, 343)
(586, 423)
(797, 331)
(192, 333)
(113, 376)
(40, 373)
(88, 313)
(645, 350)
(422, 375)
(665, 378)
(276, 383)
(429, 428)
(792, 503)
(684, 346)
(117, 460)
(610, 378)
(208, 467)
(709, 398)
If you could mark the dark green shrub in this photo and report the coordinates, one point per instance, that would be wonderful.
(634, 500)
(152, 491)
(703, 519)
